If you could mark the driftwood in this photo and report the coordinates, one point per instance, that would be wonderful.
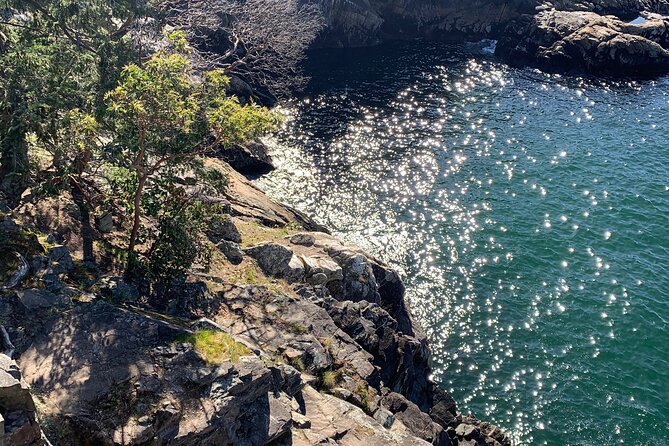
(7, 346)
(20, 273)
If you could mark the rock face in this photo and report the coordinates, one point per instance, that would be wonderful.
(329, 351)
(127, 367)
(140, 385)
(247, 201)
(585, 42)
(352, 23)
(336, 422)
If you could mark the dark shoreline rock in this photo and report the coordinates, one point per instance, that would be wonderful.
(563, 36)
(355, 23)
(576, 42)
(251, 159)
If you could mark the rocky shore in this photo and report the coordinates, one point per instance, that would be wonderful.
(288, 336)
(586, 42)
(322, 347)
(564, 36)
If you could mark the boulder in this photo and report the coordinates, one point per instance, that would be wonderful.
(443, 409)
(321, 270)
(19, 416)
(118, 289)
(232, 251)
(250, 159)
(468, 431)
(60, 259)
(417, 422)
(479, 432)
(303, 239)
(37, 299)
(359, 282)
(277, 260)
(222, 228)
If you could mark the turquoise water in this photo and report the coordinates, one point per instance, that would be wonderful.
(529, 215)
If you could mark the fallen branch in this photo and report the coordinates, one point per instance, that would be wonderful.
(20, 273)
(7, 346)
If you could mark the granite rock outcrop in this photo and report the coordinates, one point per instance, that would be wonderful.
(585, 42)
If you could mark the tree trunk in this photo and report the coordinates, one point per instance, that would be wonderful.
(87, 232)
(137, 214)
(14, 159)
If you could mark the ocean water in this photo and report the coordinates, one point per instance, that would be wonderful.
(528, 214)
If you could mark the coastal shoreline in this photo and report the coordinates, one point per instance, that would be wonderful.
(326, 326)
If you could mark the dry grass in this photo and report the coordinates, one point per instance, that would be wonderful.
(254, 233)
(246, 273)
(217, 347)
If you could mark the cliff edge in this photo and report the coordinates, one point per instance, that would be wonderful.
(288, 336)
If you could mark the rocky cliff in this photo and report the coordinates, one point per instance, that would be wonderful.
(288, 337)
(568, 36)
(369, 22)
(586, 42)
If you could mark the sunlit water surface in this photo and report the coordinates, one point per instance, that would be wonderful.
(529, 215)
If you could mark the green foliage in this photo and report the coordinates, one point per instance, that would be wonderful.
(215, 179)
(178, 243)
(298, 328)
(163, 121)
(72, 86)
(250, 276)
(162, 116)
(56, 56)
(362, 391)
(216, 346)
(298, 363)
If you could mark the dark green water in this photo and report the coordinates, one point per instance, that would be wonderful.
(529, 214)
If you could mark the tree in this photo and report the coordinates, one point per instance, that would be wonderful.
(80, 138)
(57, 60)
(164, 120)
(55, 56)
(264, 41)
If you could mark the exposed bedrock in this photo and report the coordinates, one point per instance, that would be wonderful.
(351, 23)
(327, 351)
(585, 42)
